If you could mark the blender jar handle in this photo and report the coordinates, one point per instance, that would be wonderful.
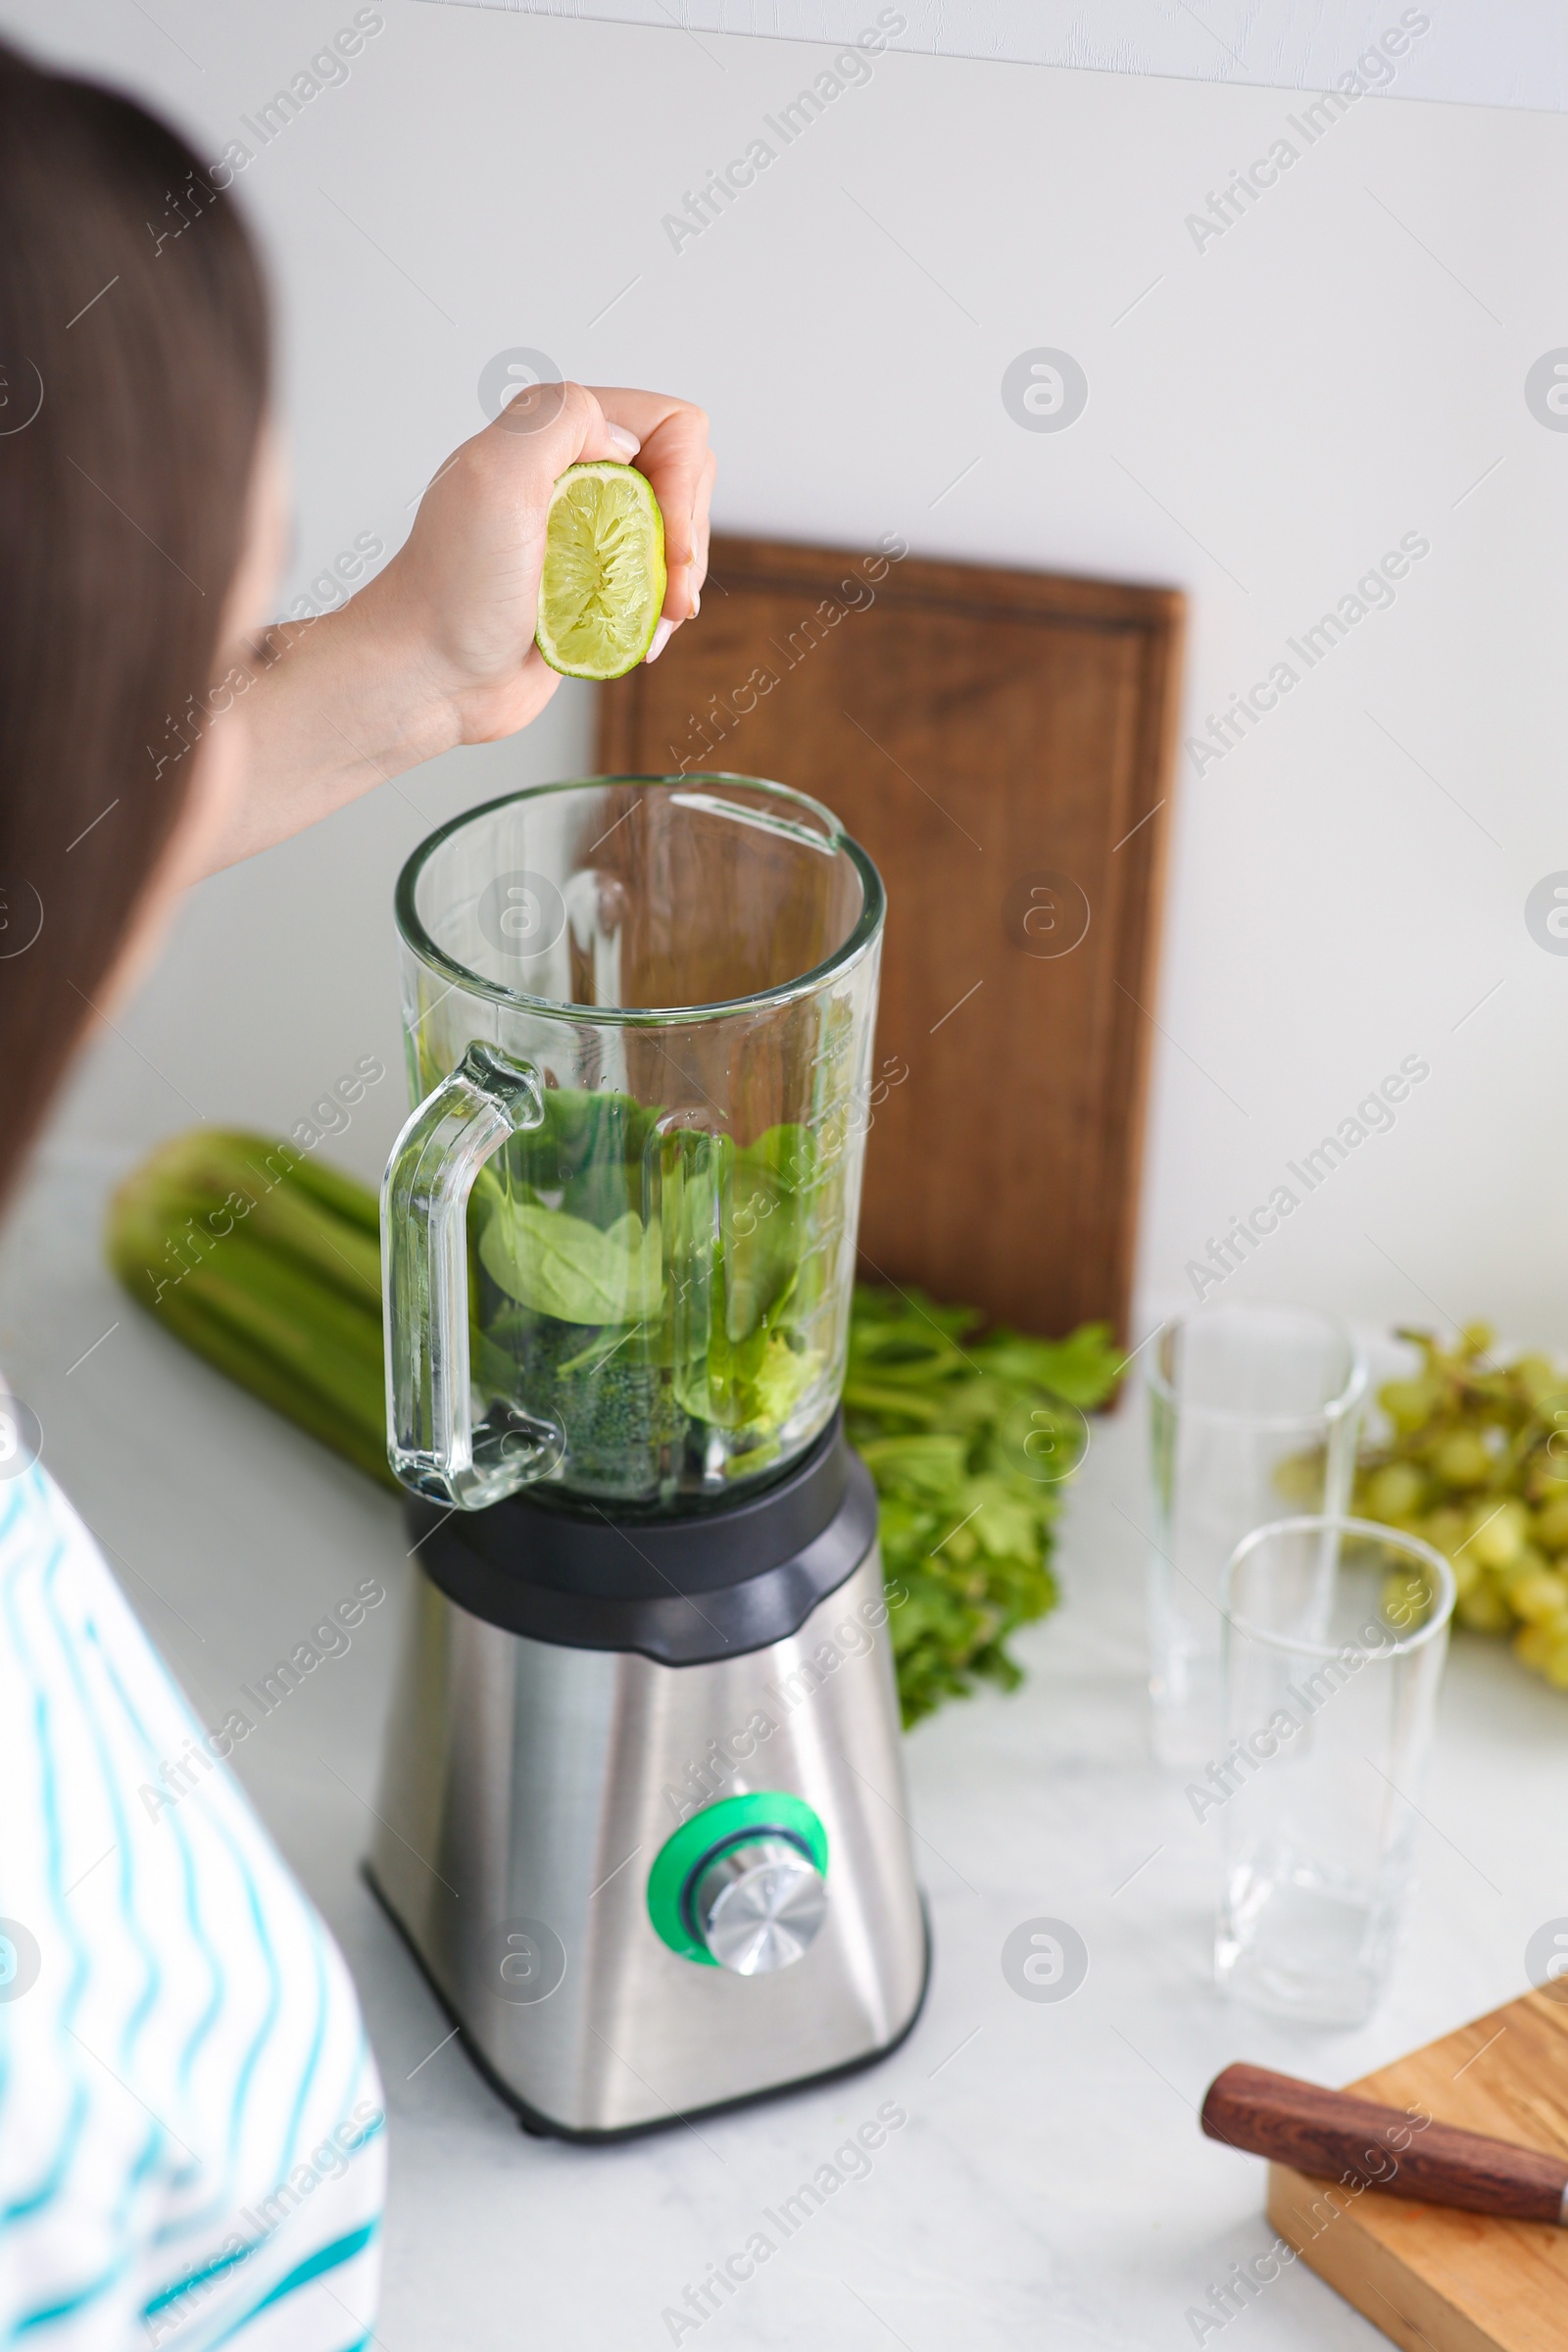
(433, 1444)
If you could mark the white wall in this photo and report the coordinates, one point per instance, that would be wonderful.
(1339, 369)
(1280, 44)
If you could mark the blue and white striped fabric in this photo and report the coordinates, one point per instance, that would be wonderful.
(192, 2148)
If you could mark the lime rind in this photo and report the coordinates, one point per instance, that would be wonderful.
(603, 581)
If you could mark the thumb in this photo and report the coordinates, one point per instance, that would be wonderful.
(562, 425)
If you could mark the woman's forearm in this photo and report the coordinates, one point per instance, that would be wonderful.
(330, 708)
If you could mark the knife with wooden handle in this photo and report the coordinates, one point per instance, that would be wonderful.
(1335, 2137)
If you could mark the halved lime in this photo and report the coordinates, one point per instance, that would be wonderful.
(603, 571)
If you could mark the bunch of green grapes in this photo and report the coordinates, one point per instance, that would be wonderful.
(1477, 1463)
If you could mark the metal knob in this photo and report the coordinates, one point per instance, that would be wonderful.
(757, 1906)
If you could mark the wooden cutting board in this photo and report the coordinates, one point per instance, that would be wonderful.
(1001, 742)
(1434, 2279)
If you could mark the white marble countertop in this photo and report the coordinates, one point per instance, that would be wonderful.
(1051, 2186)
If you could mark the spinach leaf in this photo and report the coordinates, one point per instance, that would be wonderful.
(562, 1266)
(588, 1149)
(751, 1383)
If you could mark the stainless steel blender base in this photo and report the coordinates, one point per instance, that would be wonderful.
(527, 1790)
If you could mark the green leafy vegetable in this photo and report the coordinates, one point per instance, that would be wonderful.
(587, 1155)
(753, 1382)
(969, 1441)
(563, 1266)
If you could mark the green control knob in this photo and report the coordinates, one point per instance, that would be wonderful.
(743, 1883)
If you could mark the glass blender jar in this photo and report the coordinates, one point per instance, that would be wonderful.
(618, 1229)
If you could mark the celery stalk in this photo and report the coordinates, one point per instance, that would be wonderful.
(321, 1415)
(198, 1190)
(268, 1265)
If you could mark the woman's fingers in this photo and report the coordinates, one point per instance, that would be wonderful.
(676, 457)
(705, 493)
(551, 426)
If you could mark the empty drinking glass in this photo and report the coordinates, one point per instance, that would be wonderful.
(1335, 1635)
(1253, 1410)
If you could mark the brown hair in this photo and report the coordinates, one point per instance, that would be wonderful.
(133, 363)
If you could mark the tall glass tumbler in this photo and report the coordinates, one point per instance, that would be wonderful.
(1255, 1409)
(1336, 1632)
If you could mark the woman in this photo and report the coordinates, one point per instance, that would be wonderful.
(191, 2143)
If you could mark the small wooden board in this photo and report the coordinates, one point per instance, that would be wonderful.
(1434, 2279)
(1001, 742)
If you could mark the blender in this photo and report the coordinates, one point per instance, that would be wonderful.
(642, 1818)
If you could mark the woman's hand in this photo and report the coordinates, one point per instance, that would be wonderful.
(438, 650)
(464, 591)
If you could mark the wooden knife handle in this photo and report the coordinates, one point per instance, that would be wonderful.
(1335, 2137)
